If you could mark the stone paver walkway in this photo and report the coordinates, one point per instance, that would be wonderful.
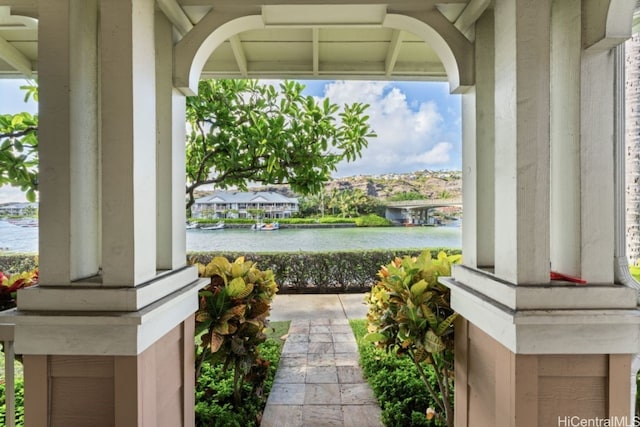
(319, 382)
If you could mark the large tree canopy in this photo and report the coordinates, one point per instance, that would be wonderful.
(19, 148)
(241, 131)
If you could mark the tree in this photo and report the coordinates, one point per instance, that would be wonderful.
(241, 131)
(19, 148)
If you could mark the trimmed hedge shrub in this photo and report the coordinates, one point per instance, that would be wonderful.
(17, 263)
(321, 272)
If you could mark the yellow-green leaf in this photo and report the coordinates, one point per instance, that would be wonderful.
(419, 287)
(433, 343)
(236, 287)
(374, 337)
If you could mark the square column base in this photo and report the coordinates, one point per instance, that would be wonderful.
(496, 387)
(153, 388)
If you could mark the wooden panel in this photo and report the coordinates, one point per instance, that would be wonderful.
(81, 402)
(81, 366)
(169, 372)
(565, 396)
(147, 382)
(461, 407)
(505, 386)
(126, 388)
(619, 400)
(525, 393)
(36, 399)
(188, 372)
(588, 365)
(170, 413)
(482, 387)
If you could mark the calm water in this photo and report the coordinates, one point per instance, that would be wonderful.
(25, 239)
(306, 239)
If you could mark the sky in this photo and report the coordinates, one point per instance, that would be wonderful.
(418, 124)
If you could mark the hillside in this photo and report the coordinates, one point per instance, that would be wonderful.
(431, 184)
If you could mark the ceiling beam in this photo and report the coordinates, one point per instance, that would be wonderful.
(174, 12)
(395, 4)
(392, 53)
(469, 16)
(15, 58)
(238, 53)
(315, 31)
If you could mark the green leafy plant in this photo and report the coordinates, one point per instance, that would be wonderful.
(215, 403)
(232, 318)
(410, 315)
(9, 285)
(395, 382)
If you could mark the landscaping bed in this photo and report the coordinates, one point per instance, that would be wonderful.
(395, 381)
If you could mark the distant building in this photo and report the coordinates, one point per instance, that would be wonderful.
(18, 209)
(235, 204)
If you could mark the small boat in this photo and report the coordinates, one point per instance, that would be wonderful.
(270, 227)
(192, 225)
(218, 226)
(257, 226)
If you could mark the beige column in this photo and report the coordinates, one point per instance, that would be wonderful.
(478, 154)
(530, 351)
(107, 338)
(128, 142)
(170, 125)
(69, 149)
(522, 140)
(566, 51)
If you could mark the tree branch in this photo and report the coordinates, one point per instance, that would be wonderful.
(19, 134)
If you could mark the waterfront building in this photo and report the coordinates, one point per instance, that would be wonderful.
(237, 204)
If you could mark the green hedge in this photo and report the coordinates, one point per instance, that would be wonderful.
(18, 263)
(321, 272)
(296, 272)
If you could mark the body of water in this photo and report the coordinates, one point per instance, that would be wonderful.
(25, 239)
(325, 239)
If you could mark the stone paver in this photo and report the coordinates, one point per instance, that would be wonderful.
(319, 382)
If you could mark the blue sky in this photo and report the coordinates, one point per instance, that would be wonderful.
(418, 124)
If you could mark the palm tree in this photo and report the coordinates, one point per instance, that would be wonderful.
(632, 139)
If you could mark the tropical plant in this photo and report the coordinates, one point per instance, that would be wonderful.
(19, 148)
(232, 317)
(243, 131)
(10, 284)
(410, 315)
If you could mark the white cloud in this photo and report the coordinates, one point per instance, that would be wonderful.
(410, 136)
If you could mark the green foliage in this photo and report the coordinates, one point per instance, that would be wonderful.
(16, 263)
(410, 315)
(372, 220)
(19, 404)
(396, 383)
(215, 404)
(19, 148)
(19, 152)
(232, 318)
(635, 271)
(11, 283)
(406, 196)
(322, 272)
(242, 131)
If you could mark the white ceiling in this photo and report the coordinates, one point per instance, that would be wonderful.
(299, 40)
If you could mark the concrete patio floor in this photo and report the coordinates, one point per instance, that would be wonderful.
(319, 381)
